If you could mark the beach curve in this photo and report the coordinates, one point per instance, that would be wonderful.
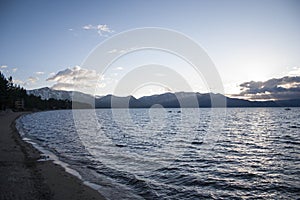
(23, 177)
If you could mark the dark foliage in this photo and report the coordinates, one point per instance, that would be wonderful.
(11, 95)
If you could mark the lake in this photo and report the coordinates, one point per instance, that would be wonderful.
(238, 153)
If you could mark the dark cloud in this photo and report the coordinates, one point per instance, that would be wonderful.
(277, 88)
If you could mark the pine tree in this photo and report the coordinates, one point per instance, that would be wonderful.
(11, 93)
(3, 91)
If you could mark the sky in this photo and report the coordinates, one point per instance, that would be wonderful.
(44, 43)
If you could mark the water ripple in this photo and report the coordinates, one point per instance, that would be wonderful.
(255, 154)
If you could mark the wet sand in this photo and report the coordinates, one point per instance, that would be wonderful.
(22, 177)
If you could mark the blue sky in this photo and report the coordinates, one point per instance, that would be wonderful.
(247, 40)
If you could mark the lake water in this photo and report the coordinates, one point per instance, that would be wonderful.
(237, 153)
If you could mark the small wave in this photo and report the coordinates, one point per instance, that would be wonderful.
(293, 126)
(197, 142)
(244, 163)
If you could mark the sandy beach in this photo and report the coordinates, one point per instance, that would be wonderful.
(23, 177)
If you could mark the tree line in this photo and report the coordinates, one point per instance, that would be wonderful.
(12, 96)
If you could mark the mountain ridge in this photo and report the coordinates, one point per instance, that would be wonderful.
(167, 100)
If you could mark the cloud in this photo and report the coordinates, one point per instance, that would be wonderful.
(113, 51)
(62, 86)
(18, 82)
(32, 79)
(51, 74)
(88, 27)
(122, 51)
(39, 73)
(119, 68)
(7, 69)
(76, 77)
(295, 72)
(287, 87)
(102, 29)
(29, 81)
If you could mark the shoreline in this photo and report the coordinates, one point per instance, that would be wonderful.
(24, 177)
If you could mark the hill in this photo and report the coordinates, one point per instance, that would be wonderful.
(167, 100)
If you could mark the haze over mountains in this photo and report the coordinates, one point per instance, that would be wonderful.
(167, 100)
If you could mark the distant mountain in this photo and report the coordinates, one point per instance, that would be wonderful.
(183, 99)
(167, 100)
(187, 99)
(48, 93)
(111, 101)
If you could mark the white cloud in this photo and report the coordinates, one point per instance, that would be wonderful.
(63, 86)
(82, 79)
(88, 27)
(113, 51)
(6, 69)
(31, 80)
(101, 85)
(294, 72)
(122, 51)
(39, 73)
(18, 82)
(119, 68)
(102, 29)
(51, 74)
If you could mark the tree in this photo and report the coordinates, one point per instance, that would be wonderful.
(11, 93)
(3, 91)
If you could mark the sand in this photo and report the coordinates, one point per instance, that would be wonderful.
(22, 177)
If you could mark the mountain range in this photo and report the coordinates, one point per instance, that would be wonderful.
(167, 100)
